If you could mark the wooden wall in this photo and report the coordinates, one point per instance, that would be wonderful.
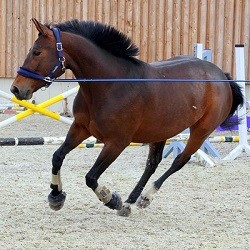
(161, 28)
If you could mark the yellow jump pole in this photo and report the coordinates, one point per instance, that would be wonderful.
(38, 108)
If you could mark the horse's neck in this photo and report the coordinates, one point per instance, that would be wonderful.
(86, 60)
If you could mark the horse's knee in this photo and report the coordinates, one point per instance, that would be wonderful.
(91, 182)
(57, 161)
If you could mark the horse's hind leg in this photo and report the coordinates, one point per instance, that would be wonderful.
(197, 137)
(74, 137)
(154, 158)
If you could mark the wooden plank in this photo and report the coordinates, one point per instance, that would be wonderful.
(9, 39)
(3, 38)
(160, 29)
(236, 30)
(63, 11)
(228, 46)
(176, 22)
(114, 13)
(106, 13)
(41, 10)
(98, 11)
(202, 23)
(193, 26)
(28, 27)
(17, 12)
(121, 16)
(168, 29)
(69, 9)
(246, 35)
(210, 36)
(84, 9)
(56, 11)
(50, 10)
(128, 26)
(151, 38)
(184, 28)
(136, 23)
(91, 10)
(219, 33)
(144, 30)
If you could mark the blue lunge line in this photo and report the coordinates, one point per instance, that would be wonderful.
(31, 74)
(142, 80)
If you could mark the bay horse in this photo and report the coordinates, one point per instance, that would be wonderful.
(118, 113)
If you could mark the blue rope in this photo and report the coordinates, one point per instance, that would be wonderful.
(143, 80)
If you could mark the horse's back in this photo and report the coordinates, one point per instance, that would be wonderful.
(174, 61)
(187, 67)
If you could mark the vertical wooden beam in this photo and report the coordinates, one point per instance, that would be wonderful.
(193, 25)
(151, 43)
(121, 15)
(69, 9)
(3, 58)
(246, 35)
(144, 30)
(210, 27)
(128, 26)
(176, 22)
(184, 28)
(168, 29)
(136, 23)
(202, 23)
(160, 29)
(91, 10)
(219, 32)
(228, 46)
(114, 13)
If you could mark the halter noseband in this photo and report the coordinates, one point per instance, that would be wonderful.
(61, 62)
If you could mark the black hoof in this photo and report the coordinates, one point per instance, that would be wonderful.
(115, 202)
(56, 202)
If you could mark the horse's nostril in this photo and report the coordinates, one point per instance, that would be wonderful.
(14, 90)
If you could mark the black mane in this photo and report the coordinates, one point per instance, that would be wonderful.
(104, 36)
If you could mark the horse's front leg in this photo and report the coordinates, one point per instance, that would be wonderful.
(108, 154)
(74, 137)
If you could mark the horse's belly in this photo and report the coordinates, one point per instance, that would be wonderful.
(163, 129)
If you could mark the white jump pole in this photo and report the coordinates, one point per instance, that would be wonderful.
(240, 75)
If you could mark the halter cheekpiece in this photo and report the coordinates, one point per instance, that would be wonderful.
(61, 62)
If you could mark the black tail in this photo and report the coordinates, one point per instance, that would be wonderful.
(238, 100)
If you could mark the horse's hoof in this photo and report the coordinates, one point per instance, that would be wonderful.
(115, 202)
(56, 202)
(143, 201)
(125, 211)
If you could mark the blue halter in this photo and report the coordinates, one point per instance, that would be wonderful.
(50, 77)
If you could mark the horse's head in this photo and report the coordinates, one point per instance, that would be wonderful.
(44, 62)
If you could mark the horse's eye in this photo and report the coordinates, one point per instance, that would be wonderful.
(36, 53)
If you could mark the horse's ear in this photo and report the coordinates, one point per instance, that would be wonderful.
(42, 29)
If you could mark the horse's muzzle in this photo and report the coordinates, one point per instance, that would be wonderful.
(20, 95)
